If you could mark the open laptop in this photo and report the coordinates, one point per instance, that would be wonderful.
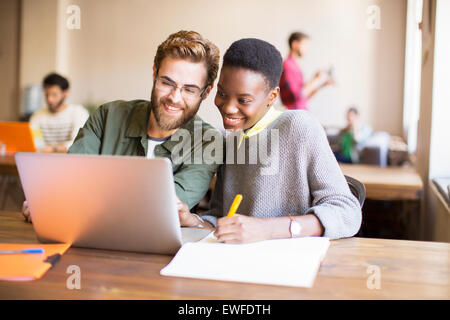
(17, 136)
(106, 202)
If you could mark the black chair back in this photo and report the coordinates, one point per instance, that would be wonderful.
(357, 189)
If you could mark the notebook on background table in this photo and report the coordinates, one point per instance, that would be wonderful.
(17, 136)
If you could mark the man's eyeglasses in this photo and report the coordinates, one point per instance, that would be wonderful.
(188, 92)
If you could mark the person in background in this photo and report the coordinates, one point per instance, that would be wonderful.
(56, 125)
(294, 90)
(352, 138)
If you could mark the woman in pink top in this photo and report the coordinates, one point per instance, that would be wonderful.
(294, 91)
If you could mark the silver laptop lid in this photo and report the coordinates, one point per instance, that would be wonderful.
(105, 202)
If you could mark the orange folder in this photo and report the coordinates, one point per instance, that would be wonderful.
(17, 136)
(29, 266)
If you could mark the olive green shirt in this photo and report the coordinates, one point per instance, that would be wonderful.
(120, 128)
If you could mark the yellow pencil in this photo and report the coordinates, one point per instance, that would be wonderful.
(234, 206)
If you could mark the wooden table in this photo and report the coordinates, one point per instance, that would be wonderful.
(409, 270)
(8, 165)
(389, 183)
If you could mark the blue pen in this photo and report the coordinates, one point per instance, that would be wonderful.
(36, 250)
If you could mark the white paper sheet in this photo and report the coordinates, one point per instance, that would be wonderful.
(286, 262)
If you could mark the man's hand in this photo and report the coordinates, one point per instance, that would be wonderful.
(60, 148)
(26, 211)
(47, 149)
(242, 229)
(187, 219)
(329, 82)
(318, 74)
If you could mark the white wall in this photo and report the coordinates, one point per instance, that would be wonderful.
(111, 56)
(433, 151)
(9, 61)
(38, 43)
(433, 130)
(440, 130)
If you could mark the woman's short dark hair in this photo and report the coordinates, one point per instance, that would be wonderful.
(256, 55)
(54, 79)
(297, 36)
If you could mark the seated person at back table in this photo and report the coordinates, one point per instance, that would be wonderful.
(184, 70)
(352, 138)
(58, 122)
(296, 189)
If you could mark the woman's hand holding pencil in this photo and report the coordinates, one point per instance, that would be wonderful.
(237, 228)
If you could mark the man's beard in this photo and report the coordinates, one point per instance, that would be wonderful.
(57, 106)
(166, 122)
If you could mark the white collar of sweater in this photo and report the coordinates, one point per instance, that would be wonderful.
(271, 115)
